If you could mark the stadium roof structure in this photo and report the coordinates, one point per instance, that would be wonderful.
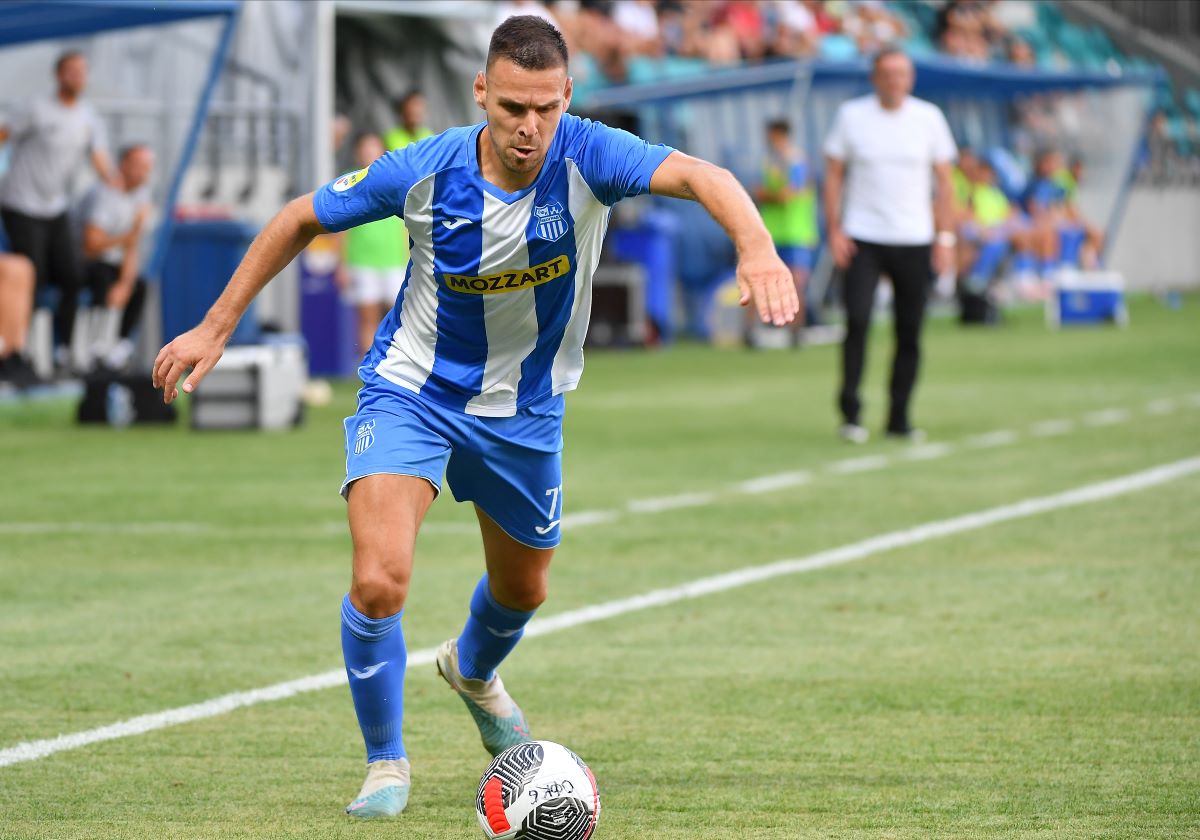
(25, 21)
(22, 21)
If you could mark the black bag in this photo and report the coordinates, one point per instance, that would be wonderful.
(123, 399)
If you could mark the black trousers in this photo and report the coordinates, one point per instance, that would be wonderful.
(100, 278)
(50, 246)
(909, 268)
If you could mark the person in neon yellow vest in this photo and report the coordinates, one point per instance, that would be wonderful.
(787, 202)
(374, 257)
(410, 109)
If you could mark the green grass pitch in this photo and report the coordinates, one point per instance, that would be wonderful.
(1038, 678)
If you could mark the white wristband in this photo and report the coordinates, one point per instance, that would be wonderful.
(947, 238)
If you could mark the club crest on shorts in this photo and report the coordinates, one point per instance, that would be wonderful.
(551, 221)
(364, 437)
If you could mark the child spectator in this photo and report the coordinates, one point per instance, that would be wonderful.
(375, 256)
(787, 202)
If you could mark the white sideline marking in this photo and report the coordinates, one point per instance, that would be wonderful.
(1193, 400)
(1106, 417)
(857, 465)
(33, 750)
(589, 517)
(768, 483)
(1160, 407)
(1000, 437)
(661, 503)
(1050, 428)
(928, 451)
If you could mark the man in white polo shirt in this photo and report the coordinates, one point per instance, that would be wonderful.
(884, 155)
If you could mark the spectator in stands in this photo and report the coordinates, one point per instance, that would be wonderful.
(410, 110)
(886, 149)
(599, 35)
(638, 20)
(1020, 53)
(744, 20)
(788, 206)
(116, 220)
(16, 309)
(872, 26)
(374, 258)
(50, 137)
(796, 31)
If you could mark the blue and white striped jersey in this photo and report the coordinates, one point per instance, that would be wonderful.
(495, 304)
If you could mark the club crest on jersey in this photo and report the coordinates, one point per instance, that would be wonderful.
(349, 180)
(551, 221)
(364, 437)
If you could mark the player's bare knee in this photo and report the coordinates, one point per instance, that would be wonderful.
(524, 595)
(379, 592)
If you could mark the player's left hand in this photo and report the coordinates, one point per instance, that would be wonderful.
(765, 280)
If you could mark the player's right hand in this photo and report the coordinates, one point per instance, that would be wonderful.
(843, 249)
(198, 349)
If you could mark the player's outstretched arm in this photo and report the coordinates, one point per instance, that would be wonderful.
(761, 275)
(200, 348)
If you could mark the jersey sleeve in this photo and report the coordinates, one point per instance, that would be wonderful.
(367, 195)
(617, 164)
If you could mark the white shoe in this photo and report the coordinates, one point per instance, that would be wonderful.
(500, 720)
(853, 433)
(385, 792)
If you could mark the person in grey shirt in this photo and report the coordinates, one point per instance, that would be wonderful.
(114, 223)
(50, 137)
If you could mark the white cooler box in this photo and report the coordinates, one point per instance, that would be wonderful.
(258, 386)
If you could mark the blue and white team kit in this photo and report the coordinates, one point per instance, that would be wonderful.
(467, 372)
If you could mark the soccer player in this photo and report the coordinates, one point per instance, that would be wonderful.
(468, 371)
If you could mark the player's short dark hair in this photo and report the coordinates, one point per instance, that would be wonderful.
(530, 42)
(779, 125)
(64, 58)
(886, 51)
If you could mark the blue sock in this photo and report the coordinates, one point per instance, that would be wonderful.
(491, 632)
(375, 661)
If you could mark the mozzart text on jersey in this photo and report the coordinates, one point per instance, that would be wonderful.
(509, 281)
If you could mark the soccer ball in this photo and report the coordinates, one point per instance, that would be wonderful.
(538, 790)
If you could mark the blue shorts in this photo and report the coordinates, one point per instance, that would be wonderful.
(511, 467)
(796, 256)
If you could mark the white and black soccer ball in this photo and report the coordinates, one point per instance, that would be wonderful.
(538, 790)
